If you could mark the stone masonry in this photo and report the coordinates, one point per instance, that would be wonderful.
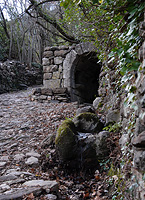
(70, 68)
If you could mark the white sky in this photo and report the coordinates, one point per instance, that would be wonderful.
(15, 4)
(18, 7)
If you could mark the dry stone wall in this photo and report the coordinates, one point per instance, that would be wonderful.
(15, 75)
(130, 114)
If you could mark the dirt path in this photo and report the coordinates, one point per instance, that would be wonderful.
(26, 132)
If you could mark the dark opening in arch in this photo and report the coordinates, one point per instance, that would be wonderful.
(85, 82)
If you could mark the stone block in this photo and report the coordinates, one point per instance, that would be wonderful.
(58, 60)
(60, 53)
(60, 69)
(47, 91)
(60, 90)
(47, 48)
(56, 75)
(47, 76)
(43, 97)
(46, 69)
(45, 62)
(51, 83)
(63, 47)
(54, 68)
(84, 48)
(48, 54)
(54, 48)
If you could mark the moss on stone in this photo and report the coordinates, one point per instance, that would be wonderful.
(88, 122)
(65, 130)
(65, 140)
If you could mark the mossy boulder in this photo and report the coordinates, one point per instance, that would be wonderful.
(66, 140)
(88, 123)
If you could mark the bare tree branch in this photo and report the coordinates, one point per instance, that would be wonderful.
(53, 22)
(3, 23)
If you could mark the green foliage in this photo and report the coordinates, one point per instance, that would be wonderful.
(111, 25)
(117, 181)
(36, 65)
(113, 127)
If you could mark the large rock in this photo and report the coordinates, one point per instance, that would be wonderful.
(85, 109)
(101, 145)
(113, 116)
(66, 140)
(139, 160)
(88, 122)
(97, 102)
(139, 141)
(87, 151)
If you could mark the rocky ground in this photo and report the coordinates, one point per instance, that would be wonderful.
(29, 166)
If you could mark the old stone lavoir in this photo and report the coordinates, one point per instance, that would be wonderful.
(72, 73)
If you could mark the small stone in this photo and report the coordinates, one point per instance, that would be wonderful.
(7, 178)
(53, 185)
(51, 196)
(32, 161)
(33, 153)
(10, 171)
(43, 97)
(16, 181)
(19, 157)
(4, 187)
(47, 191)
(49, 98)
(4, 158)
(20, 193)
(2, 164)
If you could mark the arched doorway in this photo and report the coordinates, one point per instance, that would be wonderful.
(81, 74)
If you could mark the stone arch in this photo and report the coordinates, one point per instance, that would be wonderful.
(81, 73)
